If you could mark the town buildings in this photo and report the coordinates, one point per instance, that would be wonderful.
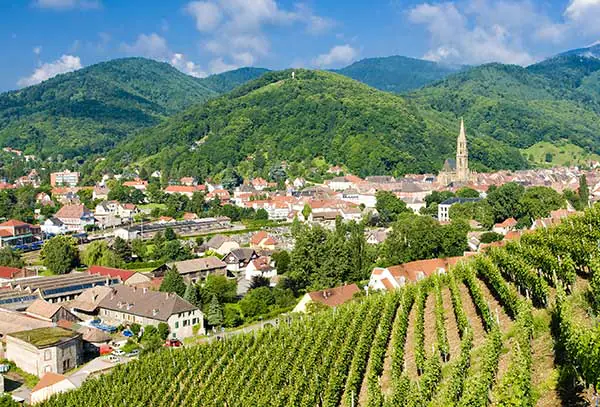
(64, 178)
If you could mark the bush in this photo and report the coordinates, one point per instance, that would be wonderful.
(489, 237)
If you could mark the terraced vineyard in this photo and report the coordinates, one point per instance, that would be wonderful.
(514, 327)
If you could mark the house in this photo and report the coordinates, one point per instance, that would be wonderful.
(44, 199)
(50, 312)
(259, 183)
(75, 217)
(195, 270)
(137, 183)
(187, 181)
(222, 194)
(44, 350)
(54, 226)
(100, 192)
(222, 244)
(444, 207)
(331, 297)
(504, 227)
(127, 305)
(10, 273)
(190, 216)
(262, 266)
(85, 305)
(64, 178)
(390, 278)
(187, 190)
(127, 277)
(14, 232)
(49, 385)
(238, 259)
(13, 321)
(262, 240)
(33, 179)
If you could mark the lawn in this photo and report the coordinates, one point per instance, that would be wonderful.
(561, 153)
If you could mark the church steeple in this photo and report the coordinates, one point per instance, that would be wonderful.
(462, 155)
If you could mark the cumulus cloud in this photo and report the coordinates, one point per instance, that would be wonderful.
(66, 63)
(583, 16)
(148, 45)
(236, 28)
(340, 54)
(207, 15)
(68, 4)
(156, 47)
(482, 32)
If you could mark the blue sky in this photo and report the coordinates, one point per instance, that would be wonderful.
(41, 38)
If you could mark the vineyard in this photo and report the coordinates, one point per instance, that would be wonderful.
(514, 327)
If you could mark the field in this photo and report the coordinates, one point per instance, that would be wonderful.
(560, 154)
(513, 327)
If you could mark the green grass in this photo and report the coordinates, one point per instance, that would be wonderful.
(29, 380)
(151, 206)
(44, 336)
(563, 154)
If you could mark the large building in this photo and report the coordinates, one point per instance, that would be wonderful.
(457, 171)
(64, 178)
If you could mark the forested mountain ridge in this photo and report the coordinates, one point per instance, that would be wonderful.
(553, 100)
(316, 114)
(88, 111)
(397, 74)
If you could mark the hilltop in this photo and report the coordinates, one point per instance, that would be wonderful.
(318, 114)
(88, 111)
(397, 74)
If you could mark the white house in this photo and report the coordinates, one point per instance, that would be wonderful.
(504, 227)
(331, 297)
(260, 267)
(49, 385)
(54, 226)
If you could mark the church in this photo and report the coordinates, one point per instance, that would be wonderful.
(457, 171)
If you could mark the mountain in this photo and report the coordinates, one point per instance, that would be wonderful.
(227, 81)
(593, 51)
(554, 100)
(397, 74)
(88, 111)
(316, 114)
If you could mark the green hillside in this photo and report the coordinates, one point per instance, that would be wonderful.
(561, 153)
(88, 111)
(227, 81)
(397, 74)
(522, 106)
(514, 326)
(277, 118)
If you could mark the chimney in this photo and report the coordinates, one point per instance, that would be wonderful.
(154, 312)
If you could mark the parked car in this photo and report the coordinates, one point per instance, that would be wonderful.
(173, 343)
(114, 359)
(133, 353)
(118, 352)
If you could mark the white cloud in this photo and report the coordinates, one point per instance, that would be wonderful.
(340, 54)
(68, 4)
(236, 28)
(154, 46)
(66, 63)
(583, 16)
(180, 62)
(207, 15)
(37, 50)
(150, 46)
(483, 32)
(217, 65)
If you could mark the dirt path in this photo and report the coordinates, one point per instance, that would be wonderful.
(410, 367)
(497, 309)
(474, 319)
(430, 331)
(450, 324)
(544, 374)
(503, 364)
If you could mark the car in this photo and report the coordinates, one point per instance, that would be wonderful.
(114, 359)
(133, 353)
(118, 352)
(173, 343)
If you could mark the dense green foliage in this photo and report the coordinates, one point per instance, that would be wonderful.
(277, 118)
(88, 111)
(10, 258)
(60, 254)
(397, 74)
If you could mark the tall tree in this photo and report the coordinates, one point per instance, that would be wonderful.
(215, 312)
(173, 282)
(60, 254)
(192, 296)
(10, 258)
(122, 249)
(584, 192)
(389, 207)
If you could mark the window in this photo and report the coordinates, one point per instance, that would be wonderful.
(47, 368)
(194, 321)
(176, 324)
(66, 364)
(47, 354)
(186, 322)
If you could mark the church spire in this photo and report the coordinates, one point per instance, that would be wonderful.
(462, 136)
(462, 155)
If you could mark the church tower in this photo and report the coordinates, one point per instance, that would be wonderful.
(462, 155)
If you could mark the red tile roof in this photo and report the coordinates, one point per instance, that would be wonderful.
(71, 212)
(49, 379)
(181, 189)
(112, 272)
(13, 222)
(8, 272)
(258, 237)
(333, 297)
(510, 222)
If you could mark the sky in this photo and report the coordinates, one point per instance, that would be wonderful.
(42, 38)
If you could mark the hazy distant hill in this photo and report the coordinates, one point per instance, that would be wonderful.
(397, 74)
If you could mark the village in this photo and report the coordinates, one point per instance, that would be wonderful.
(179, 241)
